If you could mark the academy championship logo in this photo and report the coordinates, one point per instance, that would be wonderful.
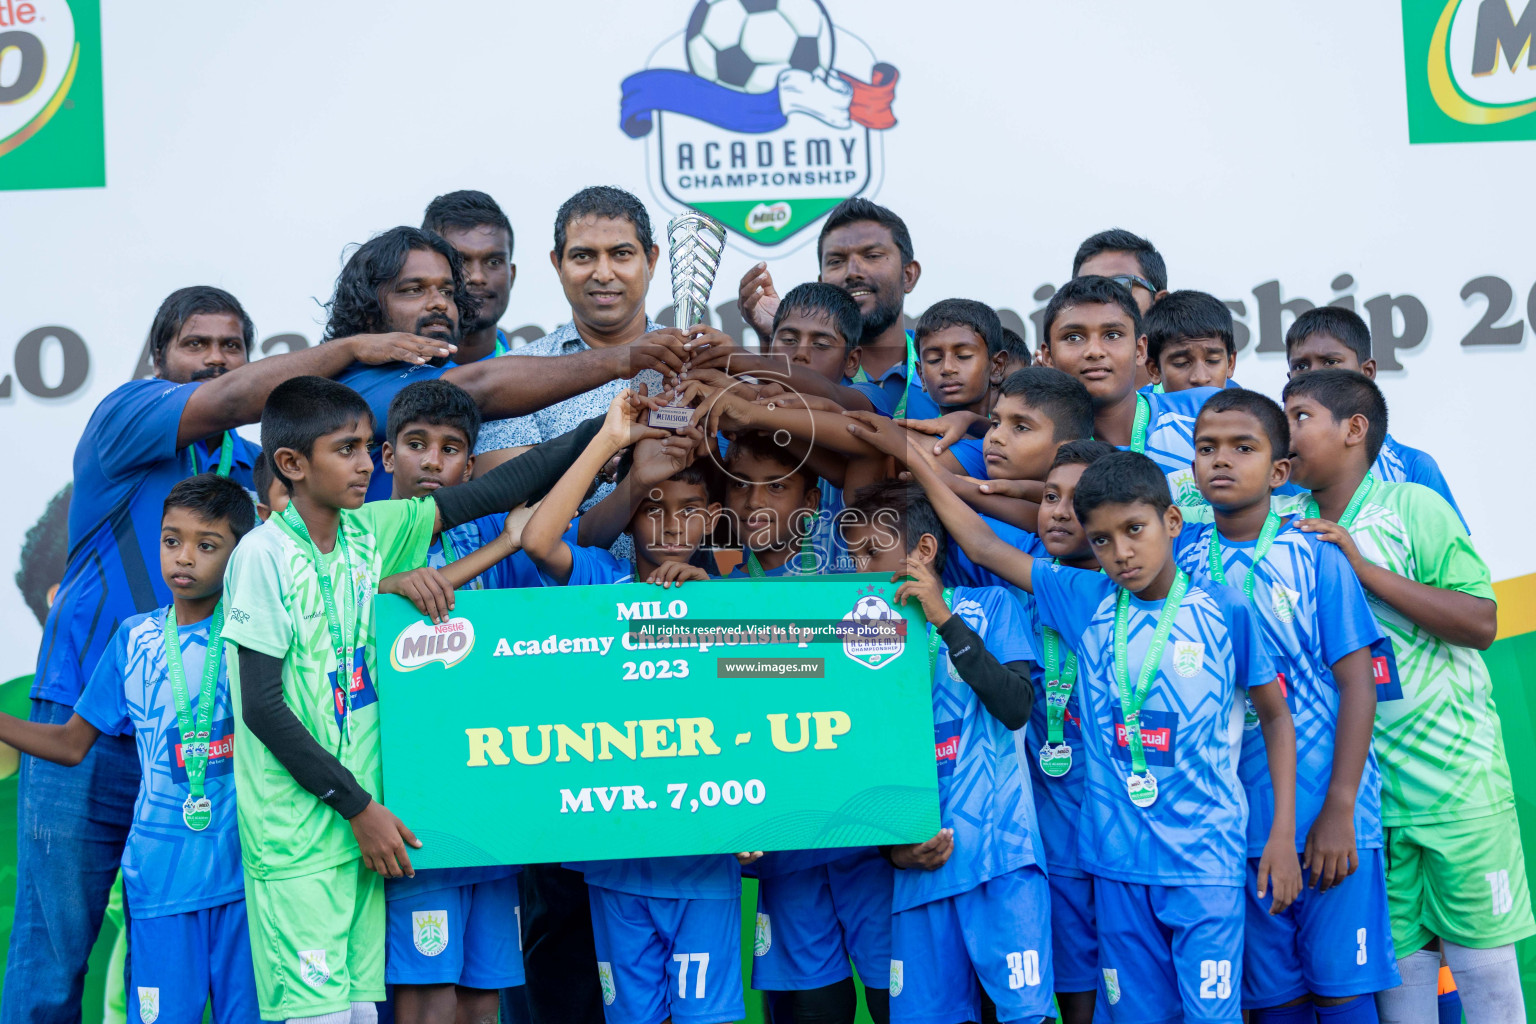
(875, 632)
(763, 114)
(1471, 69)
(422, 643)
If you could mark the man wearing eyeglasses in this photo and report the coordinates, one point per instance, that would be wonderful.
(1129, 260)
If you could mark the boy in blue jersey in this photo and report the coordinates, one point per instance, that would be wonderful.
(960, 356)
(1189, 342)
(1093, 331)
(1325, 955)
(1054, 742)
(972, 904)
(667, 929)
(456, 971)
(771, 499)
(1161, 658)
(1330, 338)
(187, 931)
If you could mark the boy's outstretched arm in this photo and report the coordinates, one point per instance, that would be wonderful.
(431, 590)
(1331, 853)
(381, 836)
(543, 537)
(1457, 618)
(1279, 862)
(656, 460)
(975, 537)
(65, 743)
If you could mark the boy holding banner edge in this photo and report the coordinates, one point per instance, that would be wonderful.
(308, 733)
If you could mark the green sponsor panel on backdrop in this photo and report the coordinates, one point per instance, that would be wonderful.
(585, 723)
(1469, 70)
(52, 127)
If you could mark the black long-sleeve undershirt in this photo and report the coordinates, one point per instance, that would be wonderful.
(1004, 690)
(273, 722)
(525, 478)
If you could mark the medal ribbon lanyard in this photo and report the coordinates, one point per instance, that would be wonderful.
(1260, 549)
(1139, 426)
(197, 812)
(901, 405)
(1132, 701)
(807, 560)
(934, 640)
(226, 455)
(1059, 682)
(1355, 502)
(344, 642)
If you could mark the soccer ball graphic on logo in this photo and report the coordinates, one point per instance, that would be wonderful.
(872, 607)
(745, 44)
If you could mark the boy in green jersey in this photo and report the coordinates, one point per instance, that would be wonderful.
(314, 841)
(1455, 868)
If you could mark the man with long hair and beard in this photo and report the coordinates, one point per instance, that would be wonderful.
(144, 438)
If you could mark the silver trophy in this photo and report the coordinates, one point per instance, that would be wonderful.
(696, 243)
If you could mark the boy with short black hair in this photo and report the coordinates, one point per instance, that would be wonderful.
(1330, 338)
(1093, 331)
(187, 935)
(1164, 843)
(1330, 950)
(960, 355)
(971, 904)
(818, 326)
(1127, 258)
(452, 934)
(773, 499)
(1455, 868)
(1189, 342)
(300, 606)
(667, 929)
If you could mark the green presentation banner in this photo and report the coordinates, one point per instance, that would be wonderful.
(590, 723)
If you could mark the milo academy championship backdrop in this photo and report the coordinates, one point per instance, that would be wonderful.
(1367, 154)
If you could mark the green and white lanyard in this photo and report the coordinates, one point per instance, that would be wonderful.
(807, 560)
(1356, 501)
(1267, 534)
(934, 640)
(226, 455)
(1060, 679)
(197, 809)
(345, 645)
(501, 344)
(1141, 783)
(1139, 425)
(901, 404)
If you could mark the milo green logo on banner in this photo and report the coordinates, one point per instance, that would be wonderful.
(763, 114)
(1471, 70)
(51, 132)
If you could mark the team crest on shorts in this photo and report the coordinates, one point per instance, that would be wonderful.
(312, 967)
(898, 978)
(762, 940)
(1187, 657)
(149, 1004)
(1112, 985)
(605, 978)
(429, 931)
(763, 114)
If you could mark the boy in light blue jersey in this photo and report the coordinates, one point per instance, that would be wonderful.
(453, 935)
(187, 933)
(1325, 955)
(1330, 338)
(667, 929)
(1162, 828)
(771, 500)
(1189, 343)
(972, 904)
(1093, 331)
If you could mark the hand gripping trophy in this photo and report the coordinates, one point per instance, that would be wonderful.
(695, 243)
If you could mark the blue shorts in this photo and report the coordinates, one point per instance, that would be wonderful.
(1335, 943)
(660, 958)
(179, 958)
(811, 922)
(466, 935)
(1074, 936)
(998, 933)
(1166, 946)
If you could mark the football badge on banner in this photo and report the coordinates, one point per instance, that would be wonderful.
(763, 114)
